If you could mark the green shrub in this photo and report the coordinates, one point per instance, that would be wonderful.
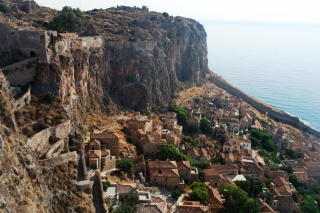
(176, 193)
(69, 20)
(50, 97)
(277, 119)
(165, 14)
(4, 8)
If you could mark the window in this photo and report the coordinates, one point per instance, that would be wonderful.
(114, 141)
(154, 178)
(159, 171)
(114, 147)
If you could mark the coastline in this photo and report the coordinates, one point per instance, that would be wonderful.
(263, 107)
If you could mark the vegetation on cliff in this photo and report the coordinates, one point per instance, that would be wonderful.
(69, 20)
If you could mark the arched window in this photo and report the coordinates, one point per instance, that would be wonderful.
(32, 54)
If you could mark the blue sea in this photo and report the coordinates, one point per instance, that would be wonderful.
(276, 63)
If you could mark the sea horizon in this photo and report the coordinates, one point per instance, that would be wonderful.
(277, 63)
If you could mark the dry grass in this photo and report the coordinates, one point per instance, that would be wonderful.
(191, 93)
(41, 113)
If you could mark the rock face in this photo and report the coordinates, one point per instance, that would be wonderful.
(25, 184)
(138, 70)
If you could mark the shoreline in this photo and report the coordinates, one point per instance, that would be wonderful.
(263, 107)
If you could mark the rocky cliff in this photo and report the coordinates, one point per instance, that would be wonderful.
(26, 185)
(139, 65)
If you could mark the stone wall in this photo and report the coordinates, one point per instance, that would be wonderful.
(110, 163)
(21, 73)
(60, 159)
(55, 149)
(74, 42)
(262, 107)
(17, 45)
(23, 100)
(39, 141)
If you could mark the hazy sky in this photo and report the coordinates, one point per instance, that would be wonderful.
(252, 10)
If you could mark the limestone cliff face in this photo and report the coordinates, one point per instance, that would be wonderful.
(138, 68)
(25, 184)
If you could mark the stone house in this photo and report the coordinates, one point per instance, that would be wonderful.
(172, 138)
(150, 145)
(245, 123)
(140, 167)
(192, 207)
(140, 122)
(97, 157)
(186, 172)
(220, 130)
(108, 140)
(199, 154)
(228, 157)
(263, 206)
(221, 101)
(164, 173)
(237, 156)
(232, 124)
(215, 201)
(215, 179)
(228, 169)
(281, 187)
(195, 120)
(245, 144)
(231, 145)
(245, 111)
(279, 173)
(158, 205)
(283, 203)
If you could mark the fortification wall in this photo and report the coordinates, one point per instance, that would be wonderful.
(21, 73)
(23, 100)
(17, 45)
(74, 42)
(60, 159)
(262, 107)
(39, 141)
(55, 149)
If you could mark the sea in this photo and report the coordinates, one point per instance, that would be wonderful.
(278, 63)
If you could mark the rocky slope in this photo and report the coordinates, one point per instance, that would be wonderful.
(25, 184)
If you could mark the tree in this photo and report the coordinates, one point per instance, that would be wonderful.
(198, 185)
(294, 180)
(237, 200)
(269, 145)
(205, 126)
(129, 202)
(308, 205)
(188, 139)
(199, 192)
(4, 8)
(254, 142)
(69, 20)
(182, 114)
(199, 195)
(191, 128)
(125, 165)
(176, 193)
(291, 154)
(199, 164)
(168, 151)
(287, 169)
